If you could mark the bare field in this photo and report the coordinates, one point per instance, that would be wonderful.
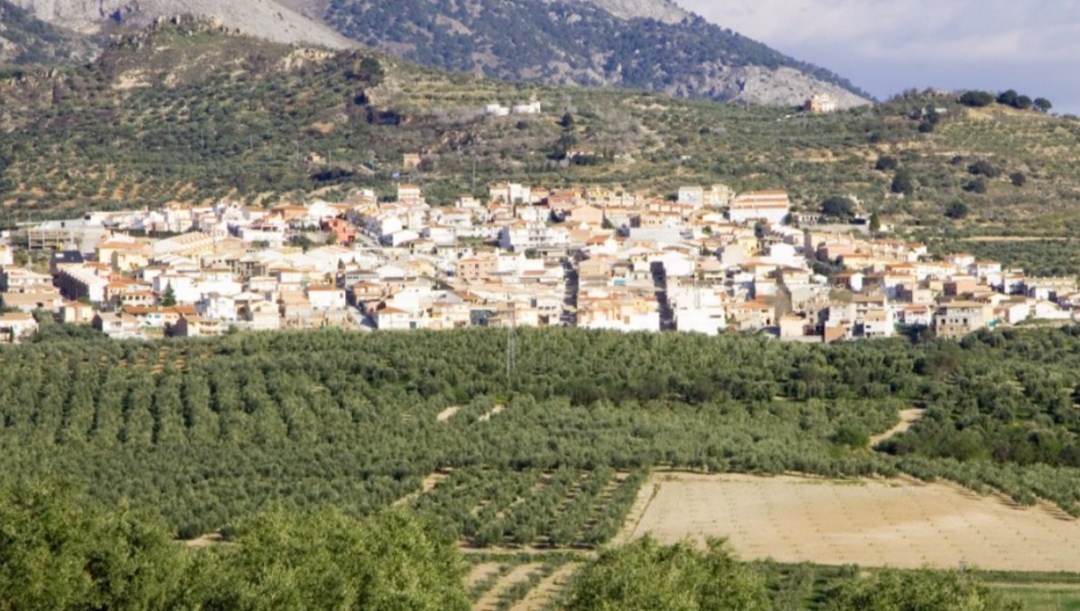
(898, 523)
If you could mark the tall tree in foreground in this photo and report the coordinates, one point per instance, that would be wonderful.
(918, 591)
(645, 575)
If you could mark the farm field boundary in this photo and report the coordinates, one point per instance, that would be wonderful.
(898, 523)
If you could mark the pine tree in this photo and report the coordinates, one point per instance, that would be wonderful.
(168, 298)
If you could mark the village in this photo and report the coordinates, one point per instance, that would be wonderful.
(708, 261)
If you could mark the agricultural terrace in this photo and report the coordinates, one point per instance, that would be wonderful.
(207, 433)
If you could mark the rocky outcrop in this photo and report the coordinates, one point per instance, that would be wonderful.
(267, 19)
(660, 10)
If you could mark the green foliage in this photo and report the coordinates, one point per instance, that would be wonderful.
(839, 208)
(977, 186)
(983, 167)
(957, 210)
(59, 553)
(326, 560)
(209, 432)
(644, 575)
(903, 183)
(977, 98)
(168, 298)
(1018, 179)
(851, 437)
(916, 591)
(886, 163)
(1042, 104)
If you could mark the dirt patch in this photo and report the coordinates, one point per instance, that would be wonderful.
(426, 486)
(898, 523)
(490, 600)
(495, 411)
(480, 573)
(447, 413)
(548, 589)
(908, 417)
(207, 540)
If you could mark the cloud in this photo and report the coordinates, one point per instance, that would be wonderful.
(890, 45)
(950, 30)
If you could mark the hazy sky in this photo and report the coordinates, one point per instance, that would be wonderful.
(885, 46)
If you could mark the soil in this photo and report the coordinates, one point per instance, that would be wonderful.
(426, 486)
(908, 417)
(548, 589)
(447, 413)
(490, 600)
(480, 573)
(899, 523)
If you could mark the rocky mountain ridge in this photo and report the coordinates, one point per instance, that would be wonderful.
(267, 19)
(636, 44)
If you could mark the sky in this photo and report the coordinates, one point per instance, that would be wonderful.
(886, 46)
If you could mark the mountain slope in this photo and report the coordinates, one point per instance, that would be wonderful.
(268, 19)
(557, 41)
(193, 112)
(27, 40)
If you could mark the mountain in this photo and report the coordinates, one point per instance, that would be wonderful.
(27, 40)
(268, 19)
(638, 44)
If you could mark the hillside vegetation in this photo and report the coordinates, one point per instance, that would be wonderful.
(207, 432)
(189, 112)
(580, 42)
(26, 40)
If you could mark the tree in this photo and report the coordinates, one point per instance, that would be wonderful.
(168, 298)
(977, 99)
(956, 210)
(875, 222)
(644, 575)
(61, 553)
(912, 590)
(977, 186)
(567, 121)
(903, 183)
(838, 207)
(1023, 103)
(327, 560)
(885, 163)
(1018, 179)
(1042, 104)
(851, 437)
(983, 167)
(1008, 98)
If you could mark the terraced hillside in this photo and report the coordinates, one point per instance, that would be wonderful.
(189, 112)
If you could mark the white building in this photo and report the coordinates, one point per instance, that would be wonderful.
(532, 108)
(325, 298)
(16, 327)
(510, 193)
(521, 236)
(772, 207)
